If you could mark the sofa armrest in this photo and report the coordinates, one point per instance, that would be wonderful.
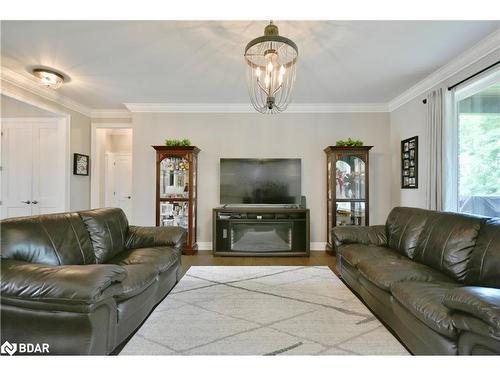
(139, 237)
(372, 235)
(480, 302)
(74, 284)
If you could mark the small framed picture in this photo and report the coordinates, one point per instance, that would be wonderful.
(80, 164)
(409, 163)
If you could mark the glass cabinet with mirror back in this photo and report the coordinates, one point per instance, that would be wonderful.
(347, 187)
(176, 177)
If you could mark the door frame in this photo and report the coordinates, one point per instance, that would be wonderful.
(63, 126)
(95, 178)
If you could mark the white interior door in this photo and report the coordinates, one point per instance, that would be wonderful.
(119, 182)
(48, 169)
(17, 160)
(33, 167)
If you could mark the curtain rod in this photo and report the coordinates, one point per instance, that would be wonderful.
(468, 78)
(474, 75)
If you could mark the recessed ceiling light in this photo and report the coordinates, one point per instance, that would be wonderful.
(49, 78)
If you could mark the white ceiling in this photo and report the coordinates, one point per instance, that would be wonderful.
(116, 62)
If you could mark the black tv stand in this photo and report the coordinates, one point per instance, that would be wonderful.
(260, 231)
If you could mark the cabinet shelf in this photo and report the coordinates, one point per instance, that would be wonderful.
(350, 200)
(174, 199)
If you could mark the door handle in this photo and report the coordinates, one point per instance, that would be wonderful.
(35, 202)
(128, 197)
(27, 202)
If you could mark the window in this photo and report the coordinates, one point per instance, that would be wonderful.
(478, 151)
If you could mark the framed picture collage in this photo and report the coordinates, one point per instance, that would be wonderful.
(409, 163)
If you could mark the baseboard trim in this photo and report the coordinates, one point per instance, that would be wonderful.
(315, 246)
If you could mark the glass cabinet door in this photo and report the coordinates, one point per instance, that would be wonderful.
(351, 213)
(174, 213)
(174, 177)
(350, 181)
(350, 177)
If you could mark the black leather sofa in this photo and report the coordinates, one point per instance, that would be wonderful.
(433, 277)
(83, 282)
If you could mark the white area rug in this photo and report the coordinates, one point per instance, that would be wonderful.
(262, 311)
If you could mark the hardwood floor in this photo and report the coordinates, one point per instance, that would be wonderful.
(205, 258)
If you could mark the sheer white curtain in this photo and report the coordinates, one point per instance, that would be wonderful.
(434, 141)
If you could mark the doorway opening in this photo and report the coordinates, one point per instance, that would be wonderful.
(112, 168)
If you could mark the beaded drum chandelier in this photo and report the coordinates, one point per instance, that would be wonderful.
(271, 66)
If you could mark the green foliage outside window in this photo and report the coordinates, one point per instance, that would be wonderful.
(479, 155)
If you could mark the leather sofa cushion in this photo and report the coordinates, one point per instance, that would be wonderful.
(385, 272)
(471, 343)
(447, 242)
(404, 226)
(139, 277)
(466, 322)
(425, 301)
(355, 253)
(480, 302)
(55, 239)
(108, 229)
(73, 284)
(160, 258)
(484, 264)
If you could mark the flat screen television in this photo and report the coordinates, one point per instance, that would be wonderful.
(260, 181)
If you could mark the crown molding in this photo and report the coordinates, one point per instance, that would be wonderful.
(481, 49)
(247, 108)
(337, 108)
(31, 85)
(110, 113)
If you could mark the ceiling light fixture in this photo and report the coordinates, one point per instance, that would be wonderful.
(271, 61)
(49, 78)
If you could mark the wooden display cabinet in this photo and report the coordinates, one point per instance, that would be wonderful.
(176, 195)
(347, 187)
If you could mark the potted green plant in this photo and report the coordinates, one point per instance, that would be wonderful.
(177, 142)
(349, 143)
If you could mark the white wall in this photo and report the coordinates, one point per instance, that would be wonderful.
(120, 143)
(252, 135)
(408, 121)
(12, 108)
